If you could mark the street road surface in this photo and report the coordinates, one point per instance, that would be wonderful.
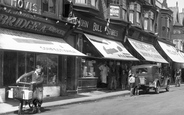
(165, 103)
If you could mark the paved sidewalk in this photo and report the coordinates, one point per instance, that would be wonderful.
(12, 105)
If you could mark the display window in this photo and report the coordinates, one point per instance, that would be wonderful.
(88, 68)
(16, 64)
(50, 67)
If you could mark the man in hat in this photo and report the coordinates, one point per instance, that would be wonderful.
(37, 80)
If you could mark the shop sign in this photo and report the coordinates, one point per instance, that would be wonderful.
(12, 18)
(146, 50)
(114, 11)
(28, 5)
(94, 26)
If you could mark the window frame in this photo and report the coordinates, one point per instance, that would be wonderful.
(88, 3)
(48, 13)
(135, 8)
(149, 16)
(122, 5)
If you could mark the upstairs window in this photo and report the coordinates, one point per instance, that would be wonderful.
(151, 2)
(149, 21)
(91, 3)
(118, 9)
(94, 3)
(49, 6)
(135, 13)
(138, 13)
(81, 1)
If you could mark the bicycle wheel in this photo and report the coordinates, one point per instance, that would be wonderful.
(31, 104)
(20, 107)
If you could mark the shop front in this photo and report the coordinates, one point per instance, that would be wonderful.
(102, 43)
(27, 40)
(171, 55)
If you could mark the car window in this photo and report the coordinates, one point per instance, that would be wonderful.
(141, 70)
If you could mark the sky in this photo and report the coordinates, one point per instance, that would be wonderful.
(172, 3)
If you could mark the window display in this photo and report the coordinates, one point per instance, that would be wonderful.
(88, 68)
(50, 67)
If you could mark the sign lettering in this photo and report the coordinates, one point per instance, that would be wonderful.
(97, 27)
(29, 24)
(22, 4)
(84, 23)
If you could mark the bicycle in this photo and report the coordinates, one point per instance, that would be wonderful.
(23, 92)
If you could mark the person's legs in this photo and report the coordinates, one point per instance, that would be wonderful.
(34, 106)
(40, 100)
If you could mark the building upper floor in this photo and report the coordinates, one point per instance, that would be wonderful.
(148, 15)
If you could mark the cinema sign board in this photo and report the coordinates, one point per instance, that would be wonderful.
(28, 5)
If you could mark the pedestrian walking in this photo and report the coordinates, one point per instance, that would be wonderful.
(132, 84)
(137, 83)
(178, 78)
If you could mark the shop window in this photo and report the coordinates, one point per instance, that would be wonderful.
(21, 63)
(50, 67)
(49, 6)
(9, 68)
(26, 63)
(88, 68)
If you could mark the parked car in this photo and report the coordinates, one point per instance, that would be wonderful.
(151, 77)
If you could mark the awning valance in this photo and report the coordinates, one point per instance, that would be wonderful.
(147, 51)
(22, 41)
(171, 52)
(109, 48)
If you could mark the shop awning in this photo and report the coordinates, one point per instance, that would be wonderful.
(147, 51)
(171, 52)
(110, 49)
(22, 41)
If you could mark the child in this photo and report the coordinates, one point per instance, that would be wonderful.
(132, 84)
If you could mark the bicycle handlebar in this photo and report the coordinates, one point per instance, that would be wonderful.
(25, 83)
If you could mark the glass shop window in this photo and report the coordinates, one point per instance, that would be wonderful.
(26, 63)
(88, 69)
(50, 67)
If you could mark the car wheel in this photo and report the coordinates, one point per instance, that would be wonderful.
(157, 89)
